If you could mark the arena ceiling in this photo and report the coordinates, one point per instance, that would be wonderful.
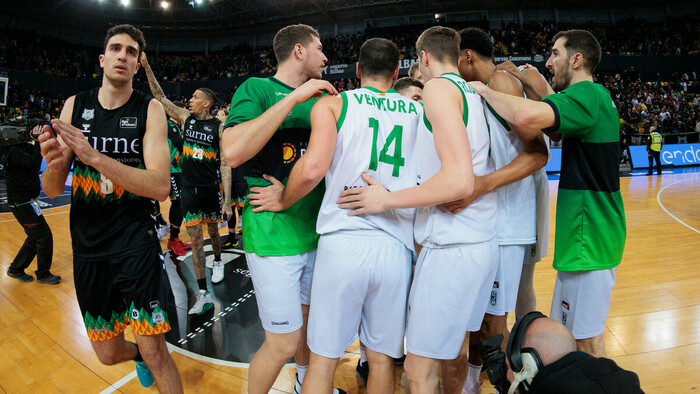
(264, 15)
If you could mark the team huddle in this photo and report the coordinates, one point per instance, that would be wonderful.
(347, 192)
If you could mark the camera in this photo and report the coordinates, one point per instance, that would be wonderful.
(17, 130)
(494, 362)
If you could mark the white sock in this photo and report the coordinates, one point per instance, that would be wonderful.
(301, 371)
(363, 355)
(472, 375)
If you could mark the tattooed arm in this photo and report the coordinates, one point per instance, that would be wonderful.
(225, 176)
(173, 110)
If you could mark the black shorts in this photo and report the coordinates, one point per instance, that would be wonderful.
(200, 205)
(130, 289)
(175, 185)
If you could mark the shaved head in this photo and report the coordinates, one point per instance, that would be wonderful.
(551, 339)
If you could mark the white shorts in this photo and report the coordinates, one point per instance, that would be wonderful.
(361, 279)
(504, 291)
(444, 294)
(282, 284)
(540, 248)
(581, 301)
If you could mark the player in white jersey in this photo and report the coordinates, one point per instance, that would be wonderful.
(363, 264)
(517, 154)
(459, 252)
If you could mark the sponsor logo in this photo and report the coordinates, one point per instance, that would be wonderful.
(496, 285)
(154, 304)
(289, 153)
(494, 297)
(538, 58)
(86, 128)
(207, 128)
(563, 318)
(88, 114)
(134, 314)
(192, 121)
(157, 317)
(128, 122)
(279, 323)
(565, 305)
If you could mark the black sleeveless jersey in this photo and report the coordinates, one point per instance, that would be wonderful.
(200, 162)
(105, 219)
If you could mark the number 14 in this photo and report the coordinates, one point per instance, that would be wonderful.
(396, 160)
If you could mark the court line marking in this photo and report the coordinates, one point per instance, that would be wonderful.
(114, 387)
(45, 214)
(658, 199)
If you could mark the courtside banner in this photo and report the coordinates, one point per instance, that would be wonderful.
(671, 154)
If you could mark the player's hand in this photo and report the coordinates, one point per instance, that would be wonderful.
(312, 88)
(365, 200)
(36, 132)
(52, 151)
(76, 141)
(510, 67)
(459, 205)
(478, 87)
(228, 212)
(268, 198)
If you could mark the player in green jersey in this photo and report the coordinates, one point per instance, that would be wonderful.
(268, 127)
(590, 225)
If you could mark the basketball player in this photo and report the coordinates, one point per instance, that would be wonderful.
(459, 253)
(175, 143)
(115, 137)
(517, 154)
(409, 87)
(415, 73)
(268, 126)
(203, 173)
(590, 230)
(363, 265)
(535, 87)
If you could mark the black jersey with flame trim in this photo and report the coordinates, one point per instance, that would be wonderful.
(200, 161)
(105, 219)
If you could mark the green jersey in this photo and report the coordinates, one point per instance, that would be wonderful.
(292, 231)
(590, 226)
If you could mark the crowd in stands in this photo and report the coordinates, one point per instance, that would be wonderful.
(667, 106)
(21, 101)
(25, 50)
(664, 106)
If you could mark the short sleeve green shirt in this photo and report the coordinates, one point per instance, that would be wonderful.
(292, 231)
(590, 223)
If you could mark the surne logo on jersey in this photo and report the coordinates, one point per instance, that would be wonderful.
(128, 123)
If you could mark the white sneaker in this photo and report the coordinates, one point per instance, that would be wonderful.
(217, 274)
(203, 303)
(297, 388)
(475, 389)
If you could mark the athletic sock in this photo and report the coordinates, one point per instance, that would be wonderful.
(202, 284)
(301, 371)
(174, 232)
(363, 355)
(472, 375)
(138, 353)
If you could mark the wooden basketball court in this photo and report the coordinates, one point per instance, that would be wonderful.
(653, 327)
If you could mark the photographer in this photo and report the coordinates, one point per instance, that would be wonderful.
(22, 161)
(542, 358)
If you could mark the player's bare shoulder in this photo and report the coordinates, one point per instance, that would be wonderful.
(503, 81)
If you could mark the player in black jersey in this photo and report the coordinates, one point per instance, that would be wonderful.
(202, 176)
(116, 139)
